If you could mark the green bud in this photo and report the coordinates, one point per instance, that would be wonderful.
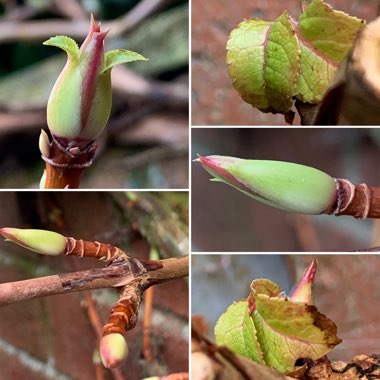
(80, 102)
(113, 350)
(40, 241)
(284, 185)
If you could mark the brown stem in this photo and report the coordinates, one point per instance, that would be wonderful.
(125, 313)
(148, 301)
(101, 251)
(64, 165)
(360, 201)
(113, 276)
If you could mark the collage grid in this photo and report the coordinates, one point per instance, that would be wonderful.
(188, 190)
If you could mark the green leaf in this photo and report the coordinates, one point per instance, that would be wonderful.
(262, 60)
(280, 330)
(325, 37)
(288, 331)
(271, 63)
(330, 32)
(316, 74)
(116, 57)
(65, 43)
(235, 330)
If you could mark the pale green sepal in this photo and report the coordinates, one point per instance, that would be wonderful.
(236, 331)
(65, 43)
(116, 57)
(40, 241)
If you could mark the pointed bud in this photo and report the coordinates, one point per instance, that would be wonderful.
(304, 292)
(113, 350)
(80, 102)
(40, 241)
(44, 144)
(288, 186)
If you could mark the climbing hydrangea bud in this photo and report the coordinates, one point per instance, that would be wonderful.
(113, 350)
(40, 241)
(283, 185)
(80, 102)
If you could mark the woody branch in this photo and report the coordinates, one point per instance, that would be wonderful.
(114, 276)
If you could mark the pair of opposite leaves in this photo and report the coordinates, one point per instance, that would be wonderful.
(275, 330)
(271, 63)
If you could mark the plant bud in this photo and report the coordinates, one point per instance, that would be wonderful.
(80, 102)
(113, 350)
(40, 241)
(304, 290)
(284, 185)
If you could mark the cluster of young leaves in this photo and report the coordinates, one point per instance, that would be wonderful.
(272, 63)
(272, 329)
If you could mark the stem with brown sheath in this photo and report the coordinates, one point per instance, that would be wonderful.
(64, 167)
(360, 201)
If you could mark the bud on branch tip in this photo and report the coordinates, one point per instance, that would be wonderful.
(40, 241)
(284, 185)
(113, 350)
(80, 101)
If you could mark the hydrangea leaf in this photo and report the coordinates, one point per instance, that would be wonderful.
(325, 37)
(328, 31)
(235, 330)
(262, 60)
(289, 330)
(275, 329)
(272, 63)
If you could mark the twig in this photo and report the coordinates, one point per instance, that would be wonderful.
(148, 300)
(155, 154)
(94, 318)
(43, 29)
(70, 8)
(165, 231)
(113, 276)
(129, 83)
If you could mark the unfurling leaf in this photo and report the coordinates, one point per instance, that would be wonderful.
(271, 63)
(280, 330)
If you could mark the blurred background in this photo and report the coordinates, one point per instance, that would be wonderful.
(219, 280)
(52, 338)
(145, 143)
(226, 220)
(214, 100)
